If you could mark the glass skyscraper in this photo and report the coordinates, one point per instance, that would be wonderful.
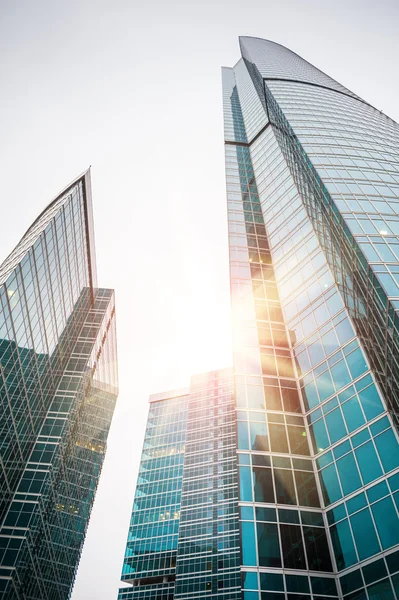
(58, 387)
(313, 212)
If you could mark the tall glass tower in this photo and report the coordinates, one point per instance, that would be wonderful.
(58, 387)
(313, 212)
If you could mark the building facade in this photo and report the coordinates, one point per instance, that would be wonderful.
(313, 213)
(58, 387)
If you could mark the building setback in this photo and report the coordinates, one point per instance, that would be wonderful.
(313, 212)
(58, 387)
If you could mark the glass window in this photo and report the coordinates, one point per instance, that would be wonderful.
(320, 438)
(349, 474)
(381, 591)
(292, 545)
(322, 586)
(310, 397)
(268, 545)
(242, 431)
(364, 534)
(248, 543)
(297, 583)
(330, 484)
(245, 484)
(387, 523)
(371, 402)
(306, 488)
(298, 440)
(353, 414)
(271, 581)
(388, 449)
(249, 580)
(340, 375)
(285, 493)
(357, 364)
(278, 438)
(317, 549)
(369, 465)
(263, 485)
(344, 548)
(335, 425)
(325, 386)
(259, 439)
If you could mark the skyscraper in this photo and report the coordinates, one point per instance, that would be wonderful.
(313, 210)
(58, 387)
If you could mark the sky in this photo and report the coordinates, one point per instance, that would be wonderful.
(134, 90)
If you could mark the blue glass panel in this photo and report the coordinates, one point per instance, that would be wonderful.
(356, 503)
(342, 449)
(341, 375)
(250, 595)
(393, 482)
(377, 491)
(247, 513)
(344, 548)
(245, 484)
(364, 534)
(325, 386)
(242, 430)
(344, 331)
(248, 544)
(249, 580)
(330, 484)
(357, 364)
(371, 402)
(360, 437)
(387, 522)
(380, 426)
(368, 462)
(388, 449)
(335, 425)
(353, 414)
(320, 437)
(310, 396)
(349, 474)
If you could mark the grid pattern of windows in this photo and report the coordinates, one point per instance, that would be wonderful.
(151, 549)
(58, 386)
(335, 308)
(208, 557)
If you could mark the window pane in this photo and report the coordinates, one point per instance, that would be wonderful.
(386, 520)
(369, 465)
(330, 484)
(278, 438)
(344, 548)
(263, 485)
(306, 488)
(364, 534)
(259, 439)
(248, 543)
(349, 474)
(285, 492)
(293, 554)
(298, 440)
(388, 450)
(268, 545)
(317, 549)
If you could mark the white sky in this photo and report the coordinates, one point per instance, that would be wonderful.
(133, 89)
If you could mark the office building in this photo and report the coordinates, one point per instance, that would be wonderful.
(313, 212)
(58, 387)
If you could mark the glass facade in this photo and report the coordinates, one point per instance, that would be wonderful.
(58, 386)
(314, 328)
(312, 176)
